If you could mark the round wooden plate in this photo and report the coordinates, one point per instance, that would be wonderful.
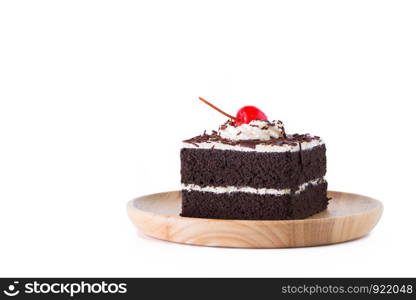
(348, 217)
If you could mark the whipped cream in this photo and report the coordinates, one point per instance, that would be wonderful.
(259, 148)
(255, 130)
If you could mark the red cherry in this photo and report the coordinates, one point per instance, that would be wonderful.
(247, 114)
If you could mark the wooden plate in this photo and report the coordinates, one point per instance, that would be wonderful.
(348, 217)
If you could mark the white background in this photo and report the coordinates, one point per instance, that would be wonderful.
(95, 97)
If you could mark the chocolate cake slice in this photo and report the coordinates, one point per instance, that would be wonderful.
(253, 171)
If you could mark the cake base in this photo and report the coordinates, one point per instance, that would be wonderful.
(348, 217)
(248, 206)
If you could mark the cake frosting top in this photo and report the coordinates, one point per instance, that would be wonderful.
(261, 130)
(250, 130)
(261, 136)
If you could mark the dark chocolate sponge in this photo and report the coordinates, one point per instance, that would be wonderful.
(247, 206)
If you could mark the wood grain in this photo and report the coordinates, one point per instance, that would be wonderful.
(348, 217)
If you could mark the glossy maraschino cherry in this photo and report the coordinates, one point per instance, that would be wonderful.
(245, 115)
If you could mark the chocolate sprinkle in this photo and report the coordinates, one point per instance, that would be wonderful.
(285, 139)
(290, 139)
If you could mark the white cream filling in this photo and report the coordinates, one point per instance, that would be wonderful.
(246, 189)
(259, 148)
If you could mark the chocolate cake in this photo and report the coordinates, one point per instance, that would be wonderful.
(251, 169)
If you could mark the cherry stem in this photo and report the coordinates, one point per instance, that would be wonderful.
(217, 109)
